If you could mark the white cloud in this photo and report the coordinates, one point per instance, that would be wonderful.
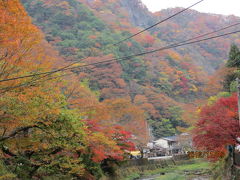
(226, 7)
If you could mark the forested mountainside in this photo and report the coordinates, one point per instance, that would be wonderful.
(73, 106)
(162, 84)
(53, 126)
(210, 54)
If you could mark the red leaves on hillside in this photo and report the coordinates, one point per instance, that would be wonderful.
(108, 142)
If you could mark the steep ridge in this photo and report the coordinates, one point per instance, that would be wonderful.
(138, 13)
(210, 54)
(191, 23)
(161, 83)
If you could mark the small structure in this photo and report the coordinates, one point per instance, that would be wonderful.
(135, 154)
(170, 144)
(167, 146)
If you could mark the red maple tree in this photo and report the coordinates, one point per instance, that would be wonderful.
(218, 125)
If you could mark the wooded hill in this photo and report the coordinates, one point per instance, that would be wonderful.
(165, 84)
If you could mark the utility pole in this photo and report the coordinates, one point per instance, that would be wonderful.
(238, 94)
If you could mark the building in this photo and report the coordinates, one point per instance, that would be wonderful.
(167, 146)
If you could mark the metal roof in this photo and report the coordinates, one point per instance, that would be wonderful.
(170, 138)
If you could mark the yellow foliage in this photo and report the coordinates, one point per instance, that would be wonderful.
(212, 100)
(194, 88)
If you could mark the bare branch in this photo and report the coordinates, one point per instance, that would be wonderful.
(16, 131)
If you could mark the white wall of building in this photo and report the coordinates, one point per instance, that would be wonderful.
(162, 143)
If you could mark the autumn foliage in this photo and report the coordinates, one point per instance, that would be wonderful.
(51, 125)
(218, 125)
(73, 123)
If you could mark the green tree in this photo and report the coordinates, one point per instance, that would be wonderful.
(233, 62)
(234, 57)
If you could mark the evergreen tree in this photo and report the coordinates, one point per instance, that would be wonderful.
(233, 62)
(234, 57)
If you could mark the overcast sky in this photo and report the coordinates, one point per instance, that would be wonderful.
(226, 7)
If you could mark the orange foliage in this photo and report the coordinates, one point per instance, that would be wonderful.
(23, 49)
(215, 82)
(129, 116)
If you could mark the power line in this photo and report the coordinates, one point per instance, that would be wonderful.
(183, 43)
(158, 23)
(67, 66)
(135, 55)
(125, 58)
(156, 50)
(32, 82)
(62, 68)
(164, 20)
(110, 61)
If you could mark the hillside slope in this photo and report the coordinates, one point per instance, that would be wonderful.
(161, 83)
